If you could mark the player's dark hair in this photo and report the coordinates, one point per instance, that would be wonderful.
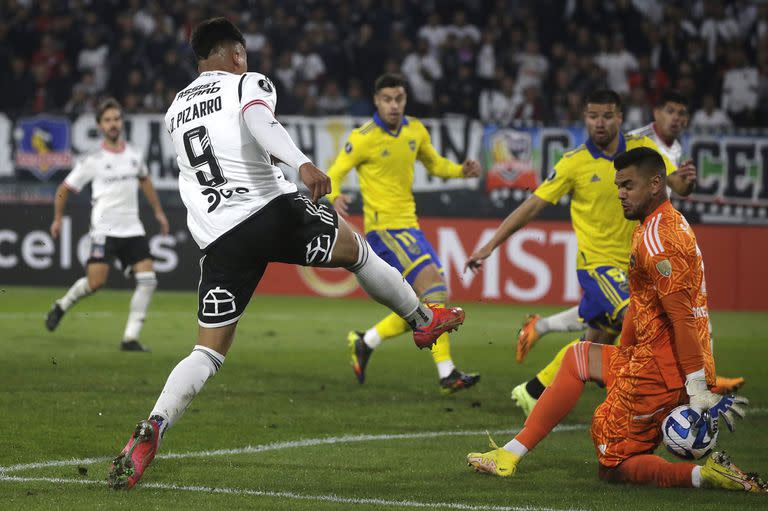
(648, 161)
(105, 105)
(388, 80)
(672, 96)
(211, 33)
(604, 97)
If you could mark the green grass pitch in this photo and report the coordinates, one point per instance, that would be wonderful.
(287, 385)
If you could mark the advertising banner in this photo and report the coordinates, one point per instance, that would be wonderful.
(733, 168)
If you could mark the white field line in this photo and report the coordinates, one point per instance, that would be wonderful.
(309, 442)
(335, 499)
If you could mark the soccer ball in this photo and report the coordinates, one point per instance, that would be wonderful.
(683, 437)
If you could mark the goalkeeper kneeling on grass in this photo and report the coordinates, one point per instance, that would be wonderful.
(664, 358)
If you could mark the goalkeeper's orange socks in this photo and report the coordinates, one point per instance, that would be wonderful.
(558, 399)
(650, 469)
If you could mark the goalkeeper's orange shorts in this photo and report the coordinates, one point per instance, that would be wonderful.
(628, 422)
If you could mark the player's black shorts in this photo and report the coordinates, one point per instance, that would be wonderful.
(129, 251)
(290, 229)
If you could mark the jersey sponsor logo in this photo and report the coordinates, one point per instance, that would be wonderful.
(664, 267)
(195, 111)
(412, 144)
(595, 178)
(215, 196)
(218, 302)
(385, 152)
(266, 85)
(42, 145)
(319, 249)
(199, 90)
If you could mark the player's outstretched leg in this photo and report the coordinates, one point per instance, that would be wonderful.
(527, 393)
(183, 384)
(362, 344)
(79, 289)
(384, 284)
(146, 283)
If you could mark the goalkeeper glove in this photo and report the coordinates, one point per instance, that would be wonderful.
(712, 406)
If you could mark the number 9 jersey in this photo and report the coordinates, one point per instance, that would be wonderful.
(225, 174)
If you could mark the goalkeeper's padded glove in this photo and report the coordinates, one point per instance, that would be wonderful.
(712, 406)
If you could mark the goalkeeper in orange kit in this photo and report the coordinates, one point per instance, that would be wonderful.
(664, 358)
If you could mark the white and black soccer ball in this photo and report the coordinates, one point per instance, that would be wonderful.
(685, 436)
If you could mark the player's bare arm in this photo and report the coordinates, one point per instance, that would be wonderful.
(316, 180)
(341, 205)
(59, 203)
(148, 189)
(516, 220)
(471, 168)
(683, 180)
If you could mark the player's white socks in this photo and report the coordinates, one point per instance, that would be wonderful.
(516, 447)
(183, 384)
(384, 284)
(146, 283)
(372, 338)
(78, 290)
(566, 321)
(696, 476)
(445, 368)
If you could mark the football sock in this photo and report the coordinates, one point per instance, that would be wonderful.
(566, 321)
(651, 469)
(78, 290)
(515, 447)
(547, 375)
(391, 326)
(184, 382)
(146, 282)
(384, 284)
(559, 398)
(696, 476)
(441, 355)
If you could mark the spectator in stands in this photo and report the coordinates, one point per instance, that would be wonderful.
(434, 33)
(458, 93)
(422, 70)
(461, 28)
(332, 101)
(18, 85)
(718, 29)
(49, 55)
(498, 106)
(638, 111)
(486, 61)
(307, 63)
(710, 117)
(740, 88)
(43, 95)
(617, 62)
(285, 73)
(93, 57)
(532, 66)
(652, 80)
(533, 107)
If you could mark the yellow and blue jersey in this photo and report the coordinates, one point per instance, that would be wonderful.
(384, 161)
(604, 236)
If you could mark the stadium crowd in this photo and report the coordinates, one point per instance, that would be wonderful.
(499, 60)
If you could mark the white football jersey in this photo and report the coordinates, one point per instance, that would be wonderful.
(225, 175)
(114, 178)
(673, 152)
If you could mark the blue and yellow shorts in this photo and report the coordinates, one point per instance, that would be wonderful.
(407, 250)
(606, 294)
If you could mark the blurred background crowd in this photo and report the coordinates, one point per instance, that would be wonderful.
(502, 61)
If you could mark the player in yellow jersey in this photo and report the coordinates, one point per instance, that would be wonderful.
(384, 151)
(602, 232)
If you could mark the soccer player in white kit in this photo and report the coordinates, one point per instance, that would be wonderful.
(244, 214)
(116, 171)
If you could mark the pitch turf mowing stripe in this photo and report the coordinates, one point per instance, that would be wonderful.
(309, 442)
(335, 499)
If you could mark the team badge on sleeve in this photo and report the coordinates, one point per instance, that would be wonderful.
(266, 85)
(664, 267)
(348, 148)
